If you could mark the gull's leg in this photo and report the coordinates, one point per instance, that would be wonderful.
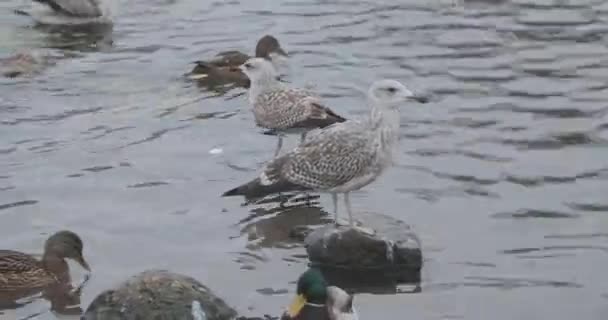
(302, 137)
(279, 145)
(350, 216)
(276, 153)
(334, 198)
(349, 209)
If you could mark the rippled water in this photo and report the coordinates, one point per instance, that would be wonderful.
(504, 175)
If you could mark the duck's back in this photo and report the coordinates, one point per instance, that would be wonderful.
(229, 59)
(19, 271)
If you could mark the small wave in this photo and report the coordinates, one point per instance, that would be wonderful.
(17, 204)
(535, 214)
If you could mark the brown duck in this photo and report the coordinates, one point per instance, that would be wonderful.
(22, 275)
(223, 69)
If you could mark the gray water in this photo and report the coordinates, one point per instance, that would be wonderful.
(504, 175)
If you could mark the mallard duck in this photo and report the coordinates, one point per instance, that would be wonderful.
(22, 273)
(316, 300)
(159, 294)
(224, 67)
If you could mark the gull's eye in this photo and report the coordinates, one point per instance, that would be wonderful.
(391, 89)
(248, 65)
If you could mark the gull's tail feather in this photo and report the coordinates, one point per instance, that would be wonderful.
(323, 116)
(255, 189)
(21, 12)
(334, 117)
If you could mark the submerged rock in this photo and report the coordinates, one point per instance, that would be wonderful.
(349, 257)
(159, 294)
(23, 64)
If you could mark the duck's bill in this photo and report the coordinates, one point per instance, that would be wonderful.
(280, 51)
(296, 306)
(199, 76)
(83, 263)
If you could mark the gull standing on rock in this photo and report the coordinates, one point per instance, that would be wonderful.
(282, 109)
(340, 158)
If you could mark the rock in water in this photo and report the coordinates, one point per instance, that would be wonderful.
(159, 294)
(351, 258)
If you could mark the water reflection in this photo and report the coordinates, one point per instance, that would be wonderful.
(63, 297)
(278, 223)
(85, 38)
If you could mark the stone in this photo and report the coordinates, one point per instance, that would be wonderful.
(350, 258)
(159, 294)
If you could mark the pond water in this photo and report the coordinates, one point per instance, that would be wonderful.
(503, 175)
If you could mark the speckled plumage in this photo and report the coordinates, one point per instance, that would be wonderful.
(19, 271)
(161, 295)
(22, 275)
(340, 158)
(283, 109)
(75, 8)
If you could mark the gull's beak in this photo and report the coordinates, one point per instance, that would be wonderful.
(420, 98)
(296, 306)
(242, 68)
(83, 263)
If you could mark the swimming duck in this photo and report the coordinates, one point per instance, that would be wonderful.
(159, 294)
(22, 274)
(316, 300)
(224, 67)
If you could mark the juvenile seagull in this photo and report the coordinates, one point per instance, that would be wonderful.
(282, 109)
(340, 158)
(75, 8)
(71, 13)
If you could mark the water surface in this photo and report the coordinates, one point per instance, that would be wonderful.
(504, 175)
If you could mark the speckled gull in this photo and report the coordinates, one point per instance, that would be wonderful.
(75, 8)
(70, 12)
(282, 109)
(340, 158)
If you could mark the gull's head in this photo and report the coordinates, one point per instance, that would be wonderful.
(258, 69)
(392, 93)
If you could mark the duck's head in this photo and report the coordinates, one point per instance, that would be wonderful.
(312, 290)
(66, 245)
(268, 46)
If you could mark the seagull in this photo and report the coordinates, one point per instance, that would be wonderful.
(69, 13)
(342, 157)
(282, 109)
(75, 8)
